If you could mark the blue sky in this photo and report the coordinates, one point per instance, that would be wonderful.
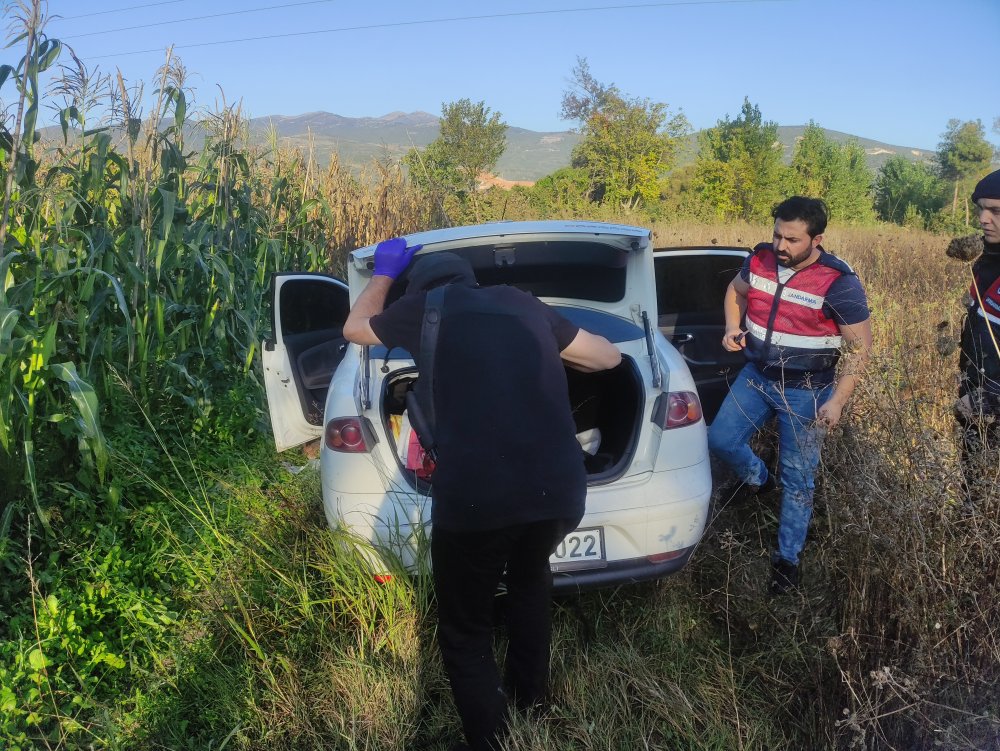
(891, 70)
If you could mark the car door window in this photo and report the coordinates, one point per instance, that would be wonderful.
(691, 288)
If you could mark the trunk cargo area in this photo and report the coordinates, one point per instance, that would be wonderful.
(607, 409)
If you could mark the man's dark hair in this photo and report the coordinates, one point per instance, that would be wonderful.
(812, 211)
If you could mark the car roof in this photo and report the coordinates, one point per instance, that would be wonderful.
(505, 229)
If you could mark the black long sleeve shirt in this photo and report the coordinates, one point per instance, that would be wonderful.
(980, 358)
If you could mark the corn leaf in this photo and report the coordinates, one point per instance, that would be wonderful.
(85, 400)
(29, 473)
(65, 115)
(8, 319)
(48, 53)
(169, 201)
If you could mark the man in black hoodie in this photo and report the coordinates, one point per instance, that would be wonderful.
(979, 394)
(510, 481)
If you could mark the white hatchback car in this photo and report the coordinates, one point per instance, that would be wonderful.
(641, 425)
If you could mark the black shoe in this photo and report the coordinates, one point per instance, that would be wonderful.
(769, 485)
(742, 492)
(784, 577)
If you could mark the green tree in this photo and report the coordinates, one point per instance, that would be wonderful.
(905, 189)
(838, 173)
(962, 154)
(585, 95)
(471, 141)
(738, 169)
(560, 194)
(628, 143)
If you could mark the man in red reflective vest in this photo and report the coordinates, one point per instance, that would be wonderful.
(979, 394)
(801, 307)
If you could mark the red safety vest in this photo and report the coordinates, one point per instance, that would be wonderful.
(788, 332)
(990, 310)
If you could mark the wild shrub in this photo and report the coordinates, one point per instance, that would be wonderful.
(891, 644)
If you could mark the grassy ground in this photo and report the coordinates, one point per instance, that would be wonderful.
(889, 645)
(288, 644)
(248, 624)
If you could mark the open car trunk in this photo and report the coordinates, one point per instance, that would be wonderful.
(607, 408)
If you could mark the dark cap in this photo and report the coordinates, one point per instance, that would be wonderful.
(435, 269)
(988, 187)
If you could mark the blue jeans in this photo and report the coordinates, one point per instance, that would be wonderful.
(752, 400)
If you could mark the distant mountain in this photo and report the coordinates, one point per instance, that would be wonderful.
(876, 152)
(529, 156)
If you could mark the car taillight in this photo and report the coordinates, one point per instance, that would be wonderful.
(676, 409)
(346, 434)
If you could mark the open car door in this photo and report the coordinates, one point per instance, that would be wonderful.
(690, 288)
(306, 345)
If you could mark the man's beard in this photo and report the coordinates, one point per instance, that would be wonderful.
(790, 261)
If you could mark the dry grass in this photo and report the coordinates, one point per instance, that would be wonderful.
(912, 563)
(894, 642)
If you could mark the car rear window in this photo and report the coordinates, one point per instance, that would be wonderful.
(572, 269)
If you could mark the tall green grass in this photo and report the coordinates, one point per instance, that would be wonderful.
(134, 283)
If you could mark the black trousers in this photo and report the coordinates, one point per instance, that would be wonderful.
(468, 566)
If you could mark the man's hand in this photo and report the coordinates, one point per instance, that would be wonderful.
(734, 306)
(829, 414)
(857, 340)
(734, 340)
(392, 257)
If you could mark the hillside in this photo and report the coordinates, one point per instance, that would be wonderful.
(529, 155)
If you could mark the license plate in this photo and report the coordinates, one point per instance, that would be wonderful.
(581, 548)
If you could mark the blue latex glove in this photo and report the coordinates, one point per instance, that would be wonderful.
(392, 257)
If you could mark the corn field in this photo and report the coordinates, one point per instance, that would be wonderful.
(135, 272)
(127, 259)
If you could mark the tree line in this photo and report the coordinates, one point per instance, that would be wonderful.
(628, 159)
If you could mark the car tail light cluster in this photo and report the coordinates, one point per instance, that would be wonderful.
(347, 435)
(677, 409)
